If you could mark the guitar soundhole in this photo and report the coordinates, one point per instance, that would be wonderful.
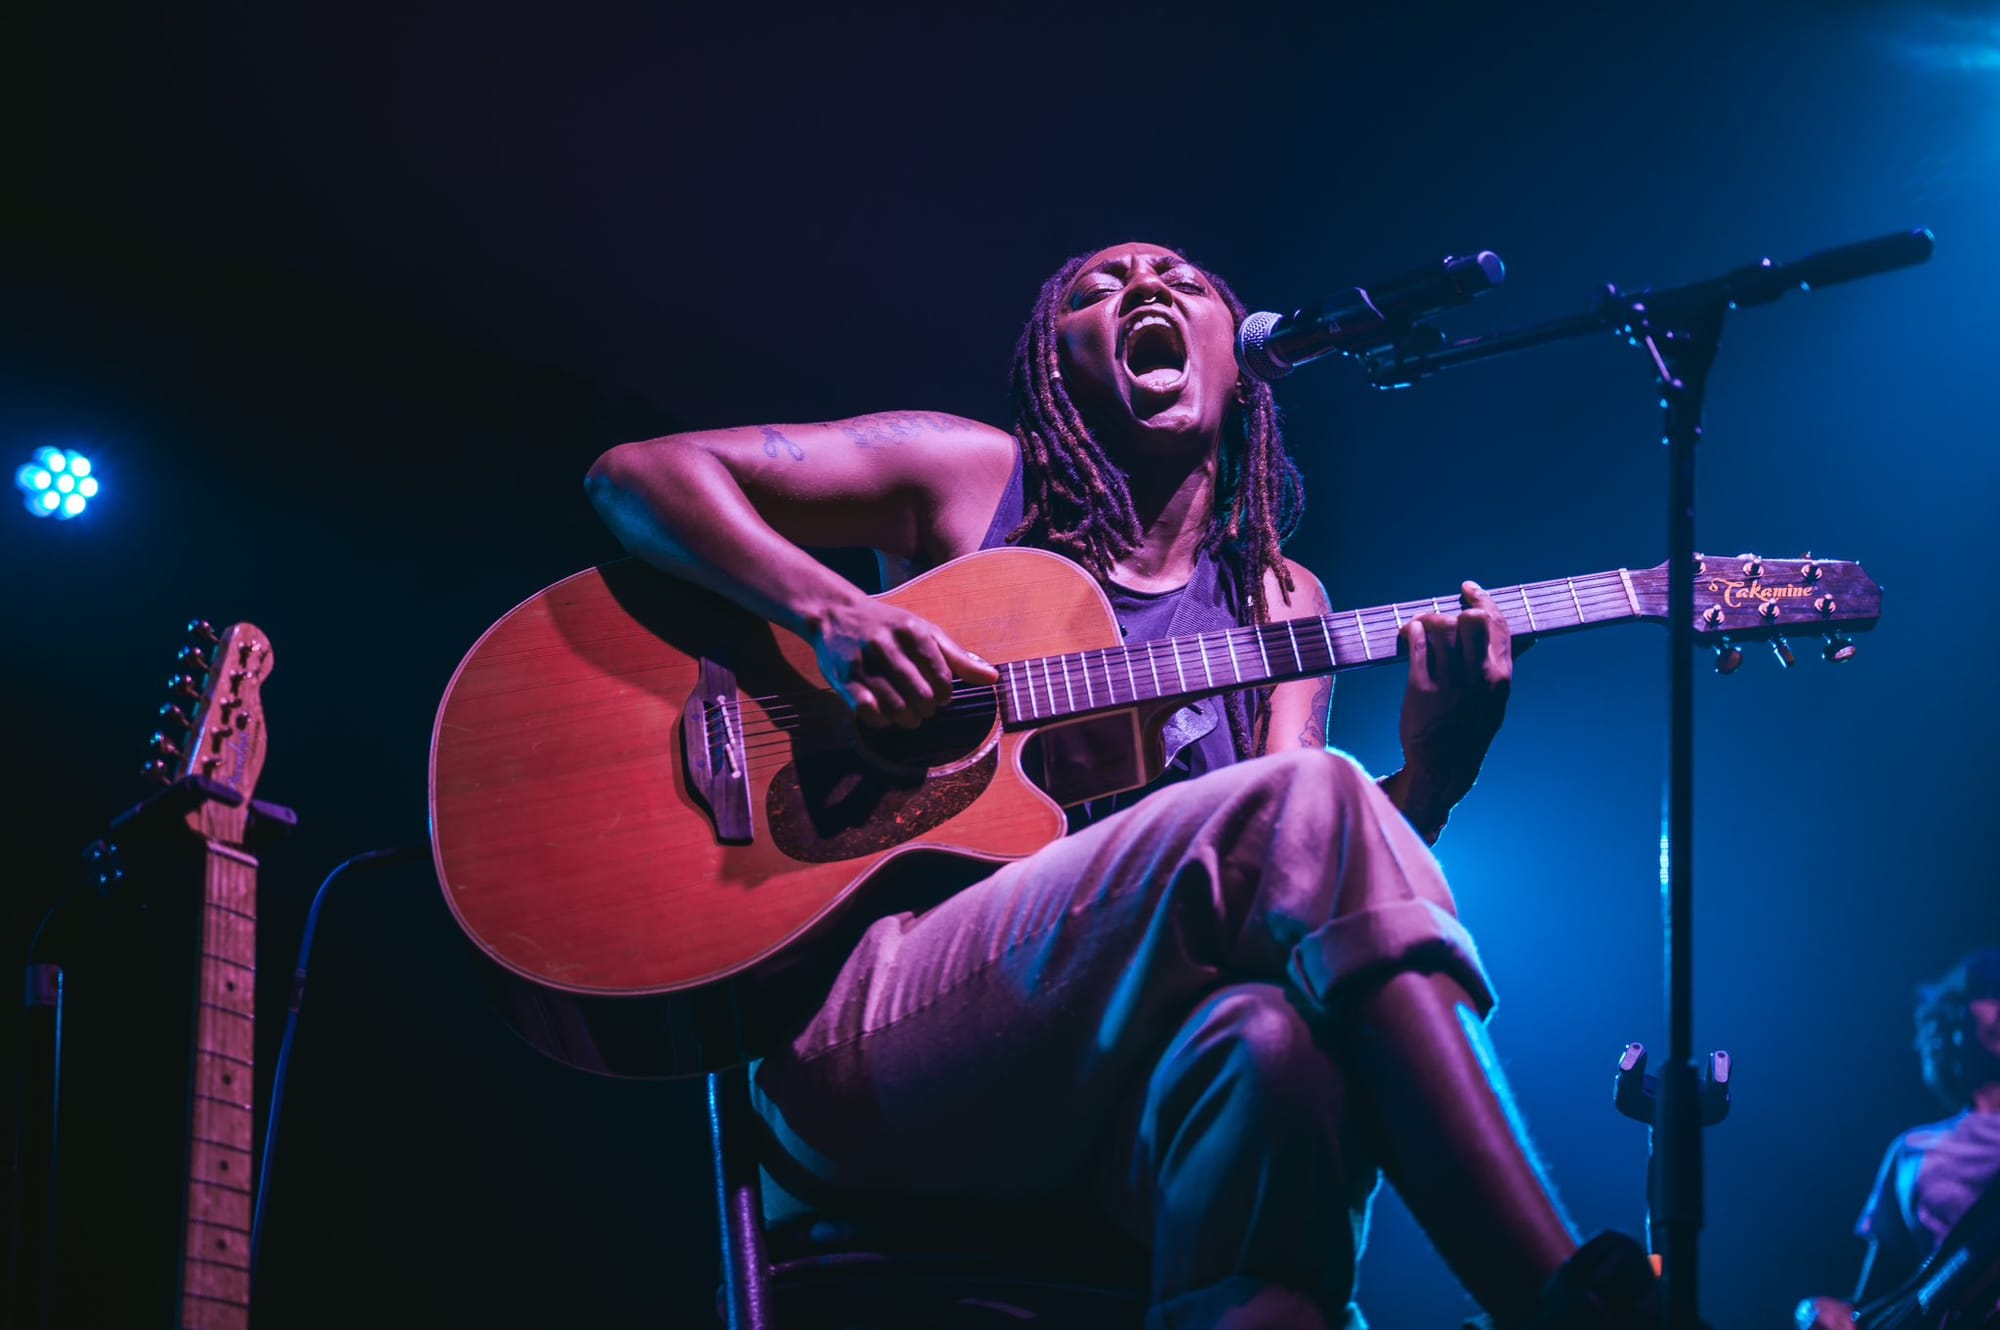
(888, 787)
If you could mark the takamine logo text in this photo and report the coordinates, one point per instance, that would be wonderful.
(1735, 595)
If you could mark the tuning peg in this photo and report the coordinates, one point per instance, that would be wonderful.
(1783, 651)
(1752, 565)
(1810, 571)
(164, 746)
(201, 630)
(158, 772)
(1727, 657)
(173, 715)
(183, 685)
(1838, 649)
(191, 657)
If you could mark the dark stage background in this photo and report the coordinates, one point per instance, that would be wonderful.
(343, 300)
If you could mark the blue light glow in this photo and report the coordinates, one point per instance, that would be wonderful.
(58, 483)
(1955, 41)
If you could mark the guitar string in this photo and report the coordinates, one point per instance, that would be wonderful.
(1387, 619)
(778, 717)
(1245, 636)
(760, 738)
(780, 720)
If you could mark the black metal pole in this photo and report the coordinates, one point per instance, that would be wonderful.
(732, 1123)
(29, 1267)
(1682, 354)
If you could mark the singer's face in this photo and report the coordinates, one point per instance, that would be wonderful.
(1148, 347)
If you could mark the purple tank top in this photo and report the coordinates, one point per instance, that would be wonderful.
(1198, 736)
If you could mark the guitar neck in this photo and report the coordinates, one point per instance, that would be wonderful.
(1040, 689)
(215, 1260)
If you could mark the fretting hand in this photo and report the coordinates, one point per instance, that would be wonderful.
(1461, 669)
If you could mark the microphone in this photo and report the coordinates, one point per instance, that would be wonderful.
(1361, 321)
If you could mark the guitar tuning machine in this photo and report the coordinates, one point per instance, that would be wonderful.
(183, 685)
(191, 658)
(160, 773)
(164, 746)
(173, 715)
(1838, 650)
(1753, 567)
(1728, 656)
(201, 630)
(1783, 651)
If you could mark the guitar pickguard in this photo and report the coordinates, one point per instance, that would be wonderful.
(833, 804)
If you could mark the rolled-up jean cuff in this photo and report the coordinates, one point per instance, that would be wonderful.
(1368, 945)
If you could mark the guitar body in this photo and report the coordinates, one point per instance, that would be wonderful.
(576, 828)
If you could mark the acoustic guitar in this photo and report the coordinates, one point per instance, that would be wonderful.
(644, 799)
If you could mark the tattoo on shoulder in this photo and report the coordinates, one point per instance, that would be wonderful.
(775, 438)
(891, 427)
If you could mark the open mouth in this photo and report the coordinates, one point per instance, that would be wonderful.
(1155, 354)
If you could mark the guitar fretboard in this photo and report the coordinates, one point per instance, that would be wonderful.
(215, 1269)
(1043, 688)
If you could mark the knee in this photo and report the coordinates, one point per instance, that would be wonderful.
(1249, 1046)
(1316, 772)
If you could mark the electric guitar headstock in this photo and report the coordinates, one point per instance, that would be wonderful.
(1752, 599)
(212, 724)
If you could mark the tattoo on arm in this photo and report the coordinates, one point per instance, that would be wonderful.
(1314, 733)
(775, 438)
(890, 427)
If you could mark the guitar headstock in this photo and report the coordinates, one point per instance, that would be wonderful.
(1748, 599)
(216, 706)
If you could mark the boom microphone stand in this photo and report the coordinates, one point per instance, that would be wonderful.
(1678, 328)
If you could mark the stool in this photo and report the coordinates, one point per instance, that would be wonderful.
(997, 1269)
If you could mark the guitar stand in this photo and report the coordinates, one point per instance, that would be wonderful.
(1635, 1094)
(147, 829)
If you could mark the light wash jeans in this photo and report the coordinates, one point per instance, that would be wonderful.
(1141, 1011)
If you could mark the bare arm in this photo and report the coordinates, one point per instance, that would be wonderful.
(1299, 709)
(729, 509)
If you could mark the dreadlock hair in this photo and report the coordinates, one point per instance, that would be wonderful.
(1955, 1063)
(1077, 502)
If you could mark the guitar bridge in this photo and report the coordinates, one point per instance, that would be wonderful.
(718, 769)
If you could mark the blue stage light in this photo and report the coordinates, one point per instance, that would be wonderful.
(57, 483)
